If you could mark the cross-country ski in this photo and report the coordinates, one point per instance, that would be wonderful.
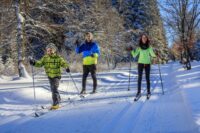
(148, 96)
(137, 97)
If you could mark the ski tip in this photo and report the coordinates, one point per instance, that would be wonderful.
(148, 96)
(135, 99)
(36, 115)
(82, 96)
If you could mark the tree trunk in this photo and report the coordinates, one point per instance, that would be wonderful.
(20, 21)
(188, 64)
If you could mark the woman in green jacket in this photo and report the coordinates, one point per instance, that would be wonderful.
(144, 53)
(52, 64)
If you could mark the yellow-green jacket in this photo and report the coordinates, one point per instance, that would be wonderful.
(144, 55)
(52, 65)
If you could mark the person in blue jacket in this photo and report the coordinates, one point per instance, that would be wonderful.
(90, 53)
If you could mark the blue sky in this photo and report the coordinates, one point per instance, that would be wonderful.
(167, 32)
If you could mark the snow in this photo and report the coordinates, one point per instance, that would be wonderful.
(21, 18)
(15, 79)
(111, 110)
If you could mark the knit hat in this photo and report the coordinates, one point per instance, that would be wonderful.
(52, 46)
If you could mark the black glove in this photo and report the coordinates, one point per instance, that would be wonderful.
(59, 77)
(92, 55)
(67, 70)
(129, 48)
(157, 54)
(77, 43)
(32, 62)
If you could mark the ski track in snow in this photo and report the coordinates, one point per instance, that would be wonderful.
(111, 110)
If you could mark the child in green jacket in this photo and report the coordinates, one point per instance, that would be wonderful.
(52, 64)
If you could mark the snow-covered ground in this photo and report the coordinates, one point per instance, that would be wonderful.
(111, 110)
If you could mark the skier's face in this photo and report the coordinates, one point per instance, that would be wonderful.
(50, 51)
(144, 39)
(88, 37)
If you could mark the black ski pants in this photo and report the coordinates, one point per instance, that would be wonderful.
(147, 68)
(86, 70)
(54, 84)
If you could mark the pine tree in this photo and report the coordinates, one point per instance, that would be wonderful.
(154, 27)
(144, 16)
(115, 24)
(133, 13)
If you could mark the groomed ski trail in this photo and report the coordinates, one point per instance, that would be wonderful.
(105, 112)
(167, 113)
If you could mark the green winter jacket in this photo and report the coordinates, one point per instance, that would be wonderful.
(52, 65)
(144, 55)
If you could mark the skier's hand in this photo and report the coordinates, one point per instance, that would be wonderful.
(129, 48)
(32, 61)
(154, 61)
(92, 55)
(157, 55)
(67, 70)
(77, 43)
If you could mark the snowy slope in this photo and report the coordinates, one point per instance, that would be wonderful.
(111, 110)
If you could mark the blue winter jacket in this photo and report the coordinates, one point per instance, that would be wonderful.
(90, 52)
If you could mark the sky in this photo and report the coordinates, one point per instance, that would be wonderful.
(168, 34)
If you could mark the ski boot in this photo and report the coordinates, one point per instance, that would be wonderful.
(138, 94)
(83, 91)
(54, 107)
(94, 91)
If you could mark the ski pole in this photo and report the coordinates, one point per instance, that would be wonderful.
(74, 82)
(160, 77)
(129, 76)
(36, 115)
(68, 84)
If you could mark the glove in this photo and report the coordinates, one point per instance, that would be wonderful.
(32, 62)
(67, 70)
(129, 48)
(92, 55)
(154, 61)
(59, 77)
(157, 54)
(77, 43)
